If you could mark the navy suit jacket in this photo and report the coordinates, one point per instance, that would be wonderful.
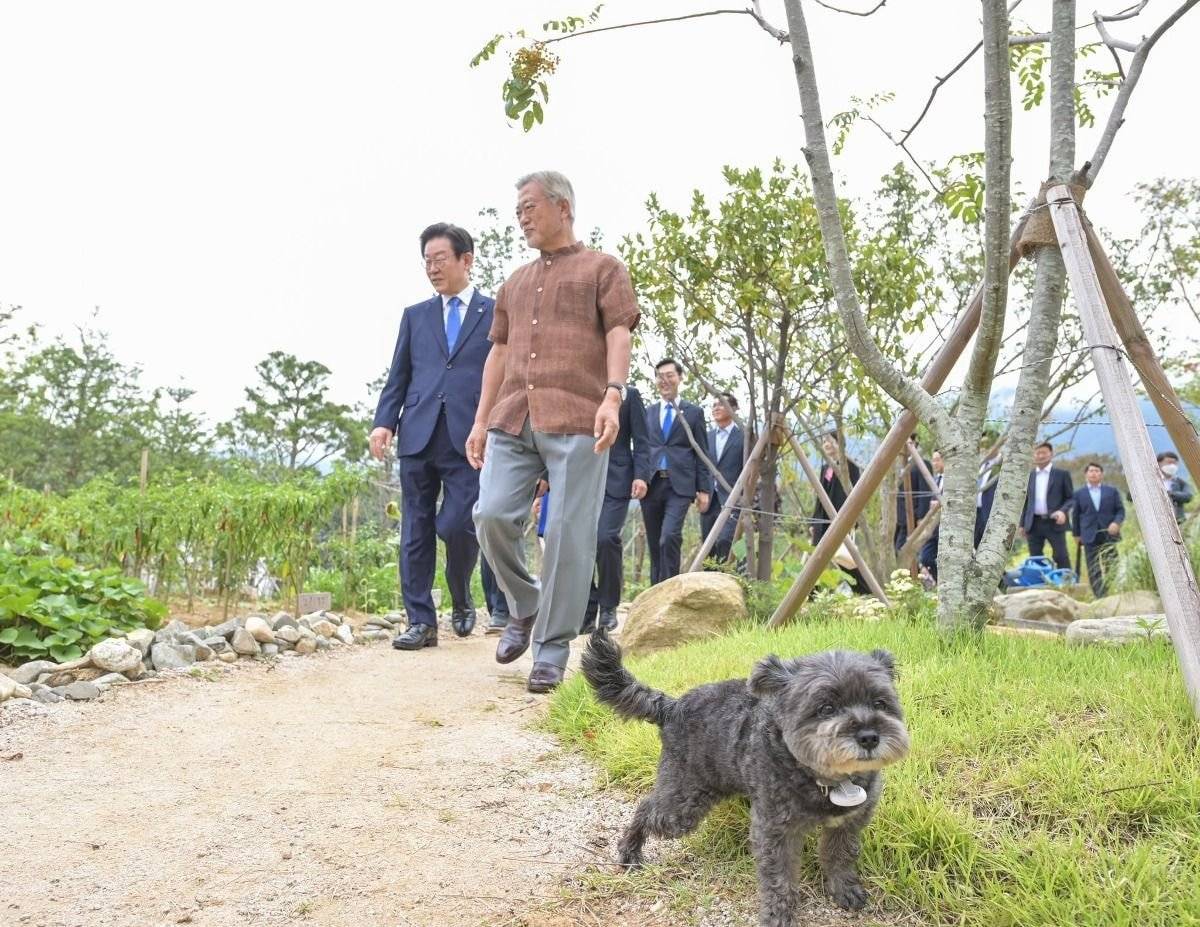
(629, 458)
(426, 375)
(729, 464)
(1087, 522)
(1060, 497)
(687, 474)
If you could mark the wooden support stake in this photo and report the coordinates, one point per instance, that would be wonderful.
(827, 505)
(144, 474)
(1133, 336)
(1164, 543)
(735, 495)
(881, 464)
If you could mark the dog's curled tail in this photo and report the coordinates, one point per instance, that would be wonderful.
(615, 686)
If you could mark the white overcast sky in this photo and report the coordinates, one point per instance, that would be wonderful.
(225, 179)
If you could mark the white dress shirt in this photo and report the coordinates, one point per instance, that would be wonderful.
(1041, 483)
(723, 439)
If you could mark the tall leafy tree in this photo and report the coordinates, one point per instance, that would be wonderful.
(288, 420)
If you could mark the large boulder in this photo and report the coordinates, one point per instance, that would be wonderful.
(1128, 629)
(141, 638)
(1123, 604)
(1045, 605)
(688, 607)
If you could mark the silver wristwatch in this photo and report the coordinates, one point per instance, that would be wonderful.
(619, 387)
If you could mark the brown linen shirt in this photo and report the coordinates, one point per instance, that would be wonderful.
(553, 314)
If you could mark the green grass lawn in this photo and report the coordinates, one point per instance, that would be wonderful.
(1046, 785)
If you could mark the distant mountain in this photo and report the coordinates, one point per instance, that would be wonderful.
(1094, 437)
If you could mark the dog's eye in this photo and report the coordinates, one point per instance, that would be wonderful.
(825, 711)
(880, 704)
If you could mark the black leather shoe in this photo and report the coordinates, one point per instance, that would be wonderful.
(544, 677)
(514, 639)
(416, 637)
(496, 625)
(463, 621)
(589, 620)
(608, 619)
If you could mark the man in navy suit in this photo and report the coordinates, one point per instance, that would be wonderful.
(429, 404)
(1049, 499)
(725, 451)
(1096, 521)
(628, 478)
(678, 475)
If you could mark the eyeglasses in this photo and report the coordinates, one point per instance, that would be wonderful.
(437, 262)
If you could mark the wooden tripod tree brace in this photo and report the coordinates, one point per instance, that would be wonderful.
(827, 505)
(1164, 543)
(1133, 336)
(881, 464)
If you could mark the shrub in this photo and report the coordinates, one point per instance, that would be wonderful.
(51, 607)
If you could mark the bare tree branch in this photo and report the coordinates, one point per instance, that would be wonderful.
(941, 80)
(754, 13)
(1116, 118)
(878, 6)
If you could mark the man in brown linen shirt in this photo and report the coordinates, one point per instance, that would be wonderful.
(552, 388)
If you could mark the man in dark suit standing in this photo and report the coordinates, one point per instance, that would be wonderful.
(725, 448)
(679, 477)
(628, 478)
(429, 403)
(1049, 499)
(1096, 522)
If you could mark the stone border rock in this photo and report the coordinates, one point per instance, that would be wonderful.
(143, 653)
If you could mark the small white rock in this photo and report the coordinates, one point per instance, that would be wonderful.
(115, 656)
(260, 630)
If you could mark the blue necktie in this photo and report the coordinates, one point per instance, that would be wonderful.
(668, 421)
(453, 321)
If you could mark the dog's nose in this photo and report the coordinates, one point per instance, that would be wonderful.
(867, 739)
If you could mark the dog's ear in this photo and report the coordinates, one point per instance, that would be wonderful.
(770, 675)
(885, 658)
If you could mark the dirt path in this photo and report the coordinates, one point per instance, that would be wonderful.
(363, 787)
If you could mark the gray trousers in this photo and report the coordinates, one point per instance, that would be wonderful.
(511, 469)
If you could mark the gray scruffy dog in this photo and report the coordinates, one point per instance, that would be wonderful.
(804, 739)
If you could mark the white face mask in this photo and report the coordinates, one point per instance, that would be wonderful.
(1170, 469)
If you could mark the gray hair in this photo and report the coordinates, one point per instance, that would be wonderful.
(554, 185)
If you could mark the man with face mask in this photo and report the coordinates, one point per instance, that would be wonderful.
(1178, 491)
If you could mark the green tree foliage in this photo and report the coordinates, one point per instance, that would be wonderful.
(71, 409)
(740, 293)
(288, 420)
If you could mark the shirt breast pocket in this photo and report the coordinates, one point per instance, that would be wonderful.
(577, 300)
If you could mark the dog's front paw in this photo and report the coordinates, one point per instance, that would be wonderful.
(631, 861)
(847, 893)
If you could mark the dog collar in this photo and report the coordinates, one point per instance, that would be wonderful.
(844, 794)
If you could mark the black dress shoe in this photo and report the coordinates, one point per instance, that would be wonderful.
(608, 619)
(463, 621)
(544, 677)
(514, 639)
(416, 637)
(589, 620)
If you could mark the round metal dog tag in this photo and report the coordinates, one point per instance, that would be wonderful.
(847, 794)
